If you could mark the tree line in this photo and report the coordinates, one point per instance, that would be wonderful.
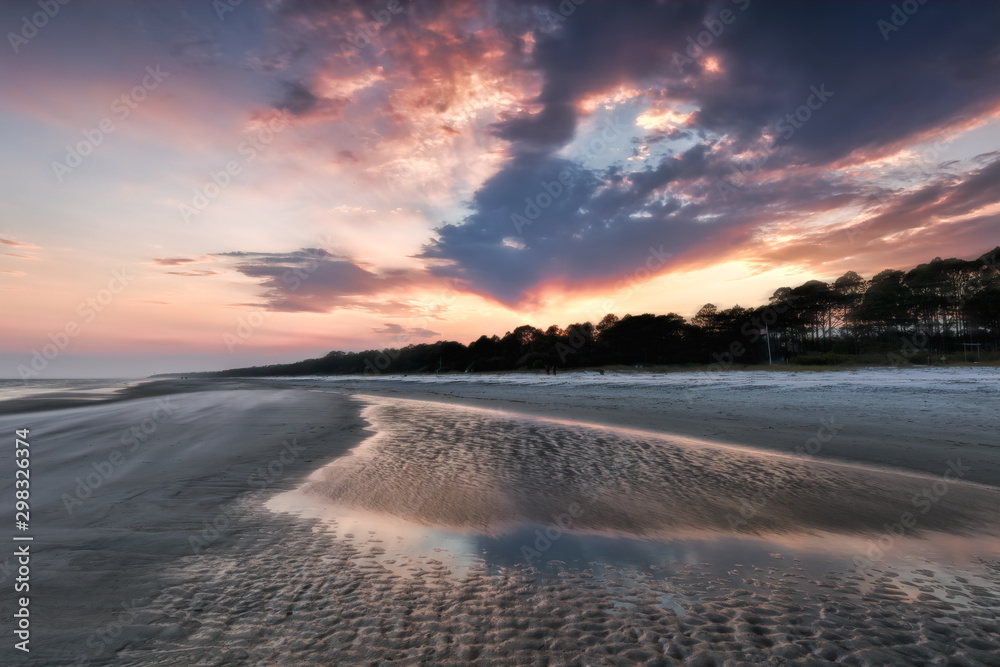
(942, 308)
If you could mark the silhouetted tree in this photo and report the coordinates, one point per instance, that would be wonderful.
(950, 301)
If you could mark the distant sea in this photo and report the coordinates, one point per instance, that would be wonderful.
(76, 388)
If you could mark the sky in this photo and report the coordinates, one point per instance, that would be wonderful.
(207, 185)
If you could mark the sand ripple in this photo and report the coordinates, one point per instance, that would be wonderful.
(304, 591)
(301, 597)
(457, 467)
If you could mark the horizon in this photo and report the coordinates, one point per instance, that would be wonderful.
(350, 177)
(391, 372)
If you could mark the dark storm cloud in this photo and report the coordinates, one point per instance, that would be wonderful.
(692, 164)
(940, 65)
(939, 68)
(945, 198)
(599, 228)
(919, 214)
(551, 128)
(296, 98)
(874, 94)
(548, 219)
(315, 280)
(595, 48)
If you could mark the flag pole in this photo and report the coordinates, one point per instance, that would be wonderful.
(767, 335)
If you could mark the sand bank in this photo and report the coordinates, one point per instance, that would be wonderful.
(916, 419)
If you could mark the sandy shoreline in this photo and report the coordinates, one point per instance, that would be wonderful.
(910, 419)
(104, 531)
(181, 557)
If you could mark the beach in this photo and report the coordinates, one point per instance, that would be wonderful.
(530, 334)
(628, 518)
(912, 419)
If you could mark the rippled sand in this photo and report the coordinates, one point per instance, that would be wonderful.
(313, 598)
(454, 536)
(656, 565)
(443, 465)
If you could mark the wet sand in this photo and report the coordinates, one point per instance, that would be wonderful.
(915, 418)
(106, 526)
(467, 468)
(426, 533)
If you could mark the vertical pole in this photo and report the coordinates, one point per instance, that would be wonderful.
(767, 335)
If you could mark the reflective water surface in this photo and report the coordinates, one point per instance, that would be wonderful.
(461, 487)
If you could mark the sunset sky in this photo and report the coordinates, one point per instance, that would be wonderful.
(199, 185)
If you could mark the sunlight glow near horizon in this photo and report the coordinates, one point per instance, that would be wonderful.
(405, 163)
